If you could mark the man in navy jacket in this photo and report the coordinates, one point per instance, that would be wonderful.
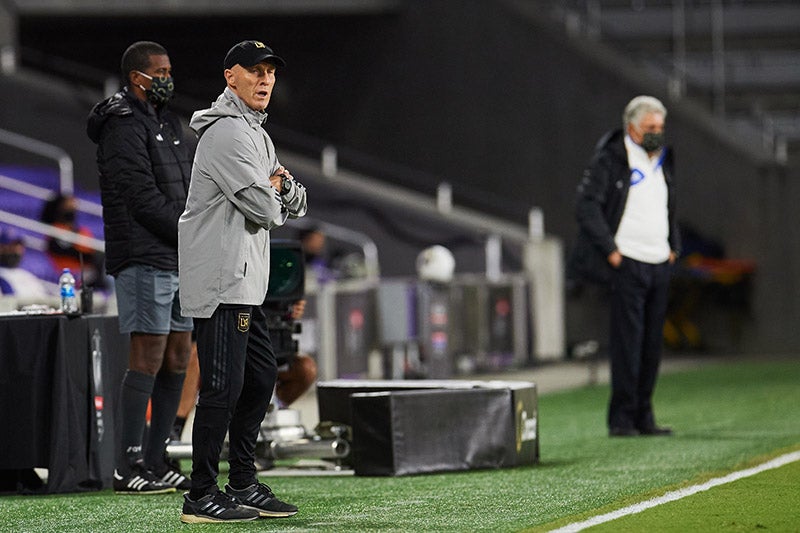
(144, 162)
(629, 238)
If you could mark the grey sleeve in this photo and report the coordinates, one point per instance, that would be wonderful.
(295, 200)
(233, 165)
(261, 205)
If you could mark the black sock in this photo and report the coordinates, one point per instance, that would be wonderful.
(136, 390)
(195, 493)
(165, 399)
(177, 428)
(194, 496)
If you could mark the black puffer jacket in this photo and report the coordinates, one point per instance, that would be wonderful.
(602, 194)
(144, 162)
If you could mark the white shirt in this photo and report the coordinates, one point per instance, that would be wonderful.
(24, 284)
(643, 232)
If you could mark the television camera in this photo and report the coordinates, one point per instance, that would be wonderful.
(286, 287)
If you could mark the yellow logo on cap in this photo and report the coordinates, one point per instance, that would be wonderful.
(259, 44)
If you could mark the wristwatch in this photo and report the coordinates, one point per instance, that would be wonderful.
(286, 185)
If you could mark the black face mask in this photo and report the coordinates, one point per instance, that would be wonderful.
(68, 217)
(10, 260)
(652, 142)
(161, 89)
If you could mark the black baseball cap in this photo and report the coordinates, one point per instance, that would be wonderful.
(249, 53)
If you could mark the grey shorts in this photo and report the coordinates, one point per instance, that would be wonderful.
(148, 301)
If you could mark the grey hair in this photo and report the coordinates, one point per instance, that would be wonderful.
(640, 106)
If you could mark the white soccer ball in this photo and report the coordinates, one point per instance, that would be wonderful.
(436, 263)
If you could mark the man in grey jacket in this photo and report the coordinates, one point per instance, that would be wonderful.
(238, 192)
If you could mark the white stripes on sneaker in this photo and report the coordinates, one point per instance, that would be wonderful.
(140, 484)
(173, 478)
(137, 482)
(213, 509)
(256, 497)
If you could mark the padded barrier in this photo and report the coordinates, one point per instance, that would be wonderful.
(414, 427)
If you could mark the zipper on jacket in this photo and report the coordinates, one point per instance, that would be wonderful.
(244, 274)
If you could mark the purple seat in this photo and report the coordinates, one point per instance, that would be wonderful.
(37, 263)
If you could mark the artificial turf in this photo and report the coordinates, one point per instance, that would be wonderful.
(768, 501)
(725, 415)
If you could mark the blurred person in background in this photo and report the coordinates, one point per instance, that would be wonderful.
(297, 372)
(15, 281)
(318, 268)
(628, 236)
(144, 162)
(61, 212)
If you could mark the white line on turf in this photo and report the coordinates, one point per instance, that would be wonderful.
(678, 494)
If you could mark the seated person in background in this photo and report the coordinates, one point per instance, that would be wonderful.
(318, 269)
(191, 386)
(298, 373)
(61, 212)
(16, 281)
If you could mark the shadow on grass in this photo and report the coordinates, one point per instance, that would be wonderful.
(553, 463)
(710, 435)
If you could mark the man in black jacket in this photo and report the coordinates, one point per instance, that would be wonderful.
(629, 238)
(144, 163)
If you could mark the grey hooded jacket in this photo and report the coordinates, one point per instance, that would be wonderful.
(223, 235)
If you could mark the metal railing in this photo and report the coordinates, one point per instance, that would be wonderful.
(43, 193)
(43, 149)
(357, 239)
(46, 229)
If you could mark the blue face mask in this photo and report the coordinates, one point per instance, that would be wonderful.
(161, 89)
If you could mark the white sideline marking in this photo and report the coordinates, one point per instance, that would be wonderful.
(678, 494)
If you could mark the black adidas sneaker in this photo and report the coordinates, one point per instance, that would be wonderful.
(259, 497)
(216, 507)
(172, 476)
(140, 481)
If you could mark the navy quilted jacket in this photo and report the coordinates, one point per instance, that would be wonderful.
(144, 162)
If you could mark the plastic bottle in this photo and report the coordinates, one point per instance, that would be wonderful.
(66, 282)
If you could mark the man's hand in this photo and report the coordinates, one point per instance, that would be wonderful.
(673, 257)
(276, 179)
(615, 259)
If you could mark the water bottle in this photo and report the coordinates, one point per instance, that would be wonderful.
(66, 282)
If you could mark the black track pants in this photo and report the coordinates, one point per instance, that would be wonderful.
(237, 370)
(639, 295)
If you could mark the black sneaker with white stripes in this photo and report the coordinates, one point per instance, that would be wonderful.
(216, 507)
(174, 478)
(258, 496)
(140, 481)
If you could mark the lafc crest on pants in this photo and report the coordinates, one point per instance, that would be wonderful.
(243, 322)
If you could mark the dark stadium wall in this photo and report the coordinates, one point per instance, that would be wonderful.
(50, 111)
(505, 108)
(490, 102)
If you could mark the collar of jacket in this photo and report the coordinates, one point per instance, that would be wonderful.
(254, 118)
(145, 107)
(614, 142)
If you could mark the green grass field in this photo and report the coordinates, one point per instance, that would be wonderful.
(730, 507)
(726, 416)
